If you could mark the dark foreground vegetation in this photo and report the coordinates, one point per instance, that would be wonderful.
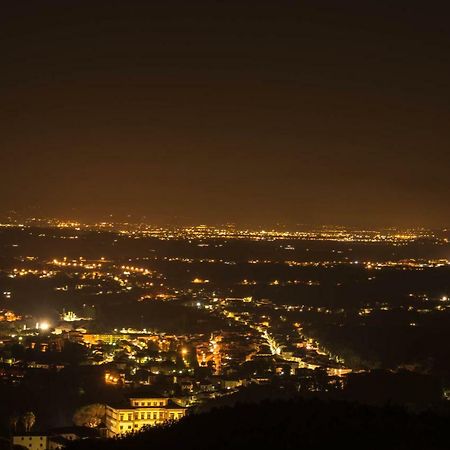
(301, 423)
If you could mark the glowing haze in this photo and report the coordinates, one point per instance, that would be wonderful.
(252, 112)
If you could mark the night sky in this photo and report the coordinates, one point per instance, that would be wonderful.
(254, 112)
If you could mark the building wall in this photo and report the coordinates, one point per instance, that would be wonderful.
(31, 442)
(127, 420)
(149, 402)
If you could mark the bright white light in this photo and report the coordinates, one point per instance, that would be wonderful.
(44, 326)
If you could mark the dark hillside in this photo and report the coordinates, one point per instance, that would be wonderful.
(303, 424)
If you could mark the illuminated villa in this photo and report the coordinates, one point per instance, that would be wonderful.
(140, 412)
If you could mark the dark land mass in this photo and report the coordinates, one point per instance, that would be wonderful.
(300, 423)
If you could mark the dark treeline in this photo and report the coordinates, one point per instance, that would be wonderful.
(299, 423)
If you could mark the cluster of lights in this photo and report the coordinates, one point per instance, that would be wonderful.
(131, 269)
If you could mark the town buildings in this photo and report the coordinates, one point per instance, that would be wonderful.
(140, 412)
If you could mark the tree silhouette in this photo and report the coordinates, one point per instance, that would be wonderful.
(28, 420)
(90, 415)
(13, 422)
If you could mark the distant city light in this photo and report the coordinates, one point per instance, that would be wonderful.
(44, 326)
